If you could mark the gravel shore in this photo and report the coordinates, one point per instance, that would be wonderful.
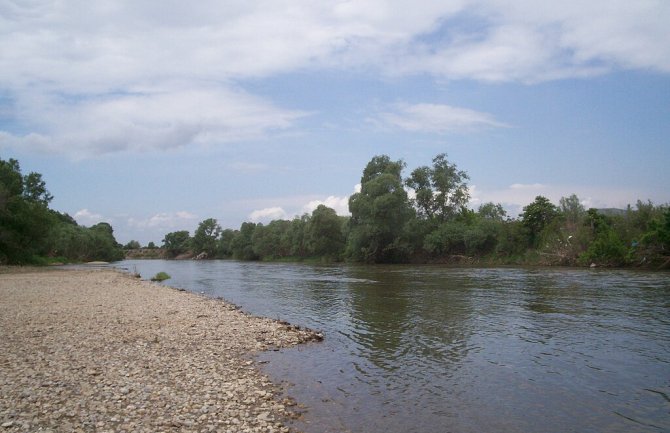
(97, 350)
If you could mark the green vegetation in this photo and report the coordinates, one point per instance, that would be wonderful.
(425, 218)
(132, 245)
(161, 276)
(31, 233)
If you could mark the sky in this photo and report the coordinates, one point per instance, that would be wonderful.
(154, 116)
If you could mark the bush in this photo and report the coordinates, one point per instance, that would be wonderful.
(606, 249)
(161, 276)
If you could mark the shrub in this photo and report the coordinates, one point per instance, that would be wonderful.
(161, 276)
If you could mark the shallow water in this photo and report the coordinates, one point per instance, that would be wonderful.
(429, 348)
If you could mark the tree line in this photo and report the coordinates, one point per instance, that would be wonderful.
(425, 218)
(422, 218)
(32, 233)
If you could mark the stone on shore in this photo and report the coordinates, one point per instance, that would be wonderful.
(97, 350)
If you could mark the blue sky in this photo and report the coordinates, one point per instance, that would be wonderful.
(154, 116)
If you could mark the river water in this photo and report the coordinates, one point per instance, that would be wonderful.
(439, 349)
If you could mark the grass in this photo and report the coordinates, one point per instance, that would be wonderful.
(161, 276)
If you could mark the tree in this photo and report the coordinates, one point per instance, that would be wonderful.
(268, 241)
(241, 245)
(441, 190)
(25, 219)
(491, 211)
(177, 242)
(572, 209)
(132, 245)
(224, 249)
(206, 237)
(379, 213)
(324, 233)
(104, 246)
(35, 189)
(537, 216)
(295, 236)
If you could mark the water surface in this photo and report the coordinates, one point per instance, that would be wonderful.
(428, 348)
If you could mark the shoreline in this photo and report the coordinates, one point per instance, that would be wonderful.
(98, 350)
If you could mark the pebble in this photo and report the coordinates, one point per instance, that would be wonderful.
(98, 350)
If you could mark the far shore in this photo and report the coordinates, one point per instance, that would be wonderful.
(97, 350)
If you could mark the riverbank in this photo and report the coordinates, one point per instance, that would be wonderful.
(96, 350)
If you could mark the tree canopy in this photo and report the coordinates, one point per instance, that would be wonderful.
(379, 213)
(31, 232)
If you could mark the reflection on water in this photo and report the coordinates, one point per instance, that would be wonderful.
(424, 349)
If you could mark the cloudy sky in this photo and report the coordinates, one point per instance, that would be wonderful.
(154, 116)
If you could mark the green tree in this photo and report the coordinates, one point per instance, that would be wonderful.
(572, 209)
(242, 245)
(206, 236)
(269, 241)
(224, 245)
(25, 219)
(656, 241)
(35, 189)
(295, 237)
(104, 246)
(379, 213)
(132, 245)
(606, 246)
(441, 190)
(491, 211)
(537, 216)
(176, 243)
(324, 233)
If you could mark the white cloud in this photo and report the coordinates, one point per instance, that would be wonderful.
(339, 204)
(527, 186)
(164, 220)
(153, 120)
(533, 41)
(516, 196)
(436, 118)
(101, 77)
(267, 214)
(87, 218)
(97, 46)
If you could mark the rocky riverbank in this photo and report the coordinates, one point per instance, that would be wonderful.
(96, 350)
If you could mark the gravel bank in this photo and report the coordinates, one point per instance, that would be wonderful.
(97, 350)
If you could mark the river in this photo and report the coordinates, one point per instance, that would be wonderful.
(441, 349)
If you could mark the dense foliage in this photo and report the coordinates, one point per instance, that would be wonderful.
(31, 233)
(426, 218)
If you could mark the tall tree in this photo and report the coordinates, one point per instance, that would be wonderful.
(572, 209)
(492, 211)
(537, 216)
(25, 219)
(241, 245)
(206, 237)
(177, 242)
(441, 190)
(379, 213)
(324, 233)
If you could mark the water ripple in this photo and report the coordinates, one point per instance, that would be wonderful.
(423, 349)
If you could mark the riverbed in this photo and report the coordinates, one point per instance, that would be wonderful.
(433, 348)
